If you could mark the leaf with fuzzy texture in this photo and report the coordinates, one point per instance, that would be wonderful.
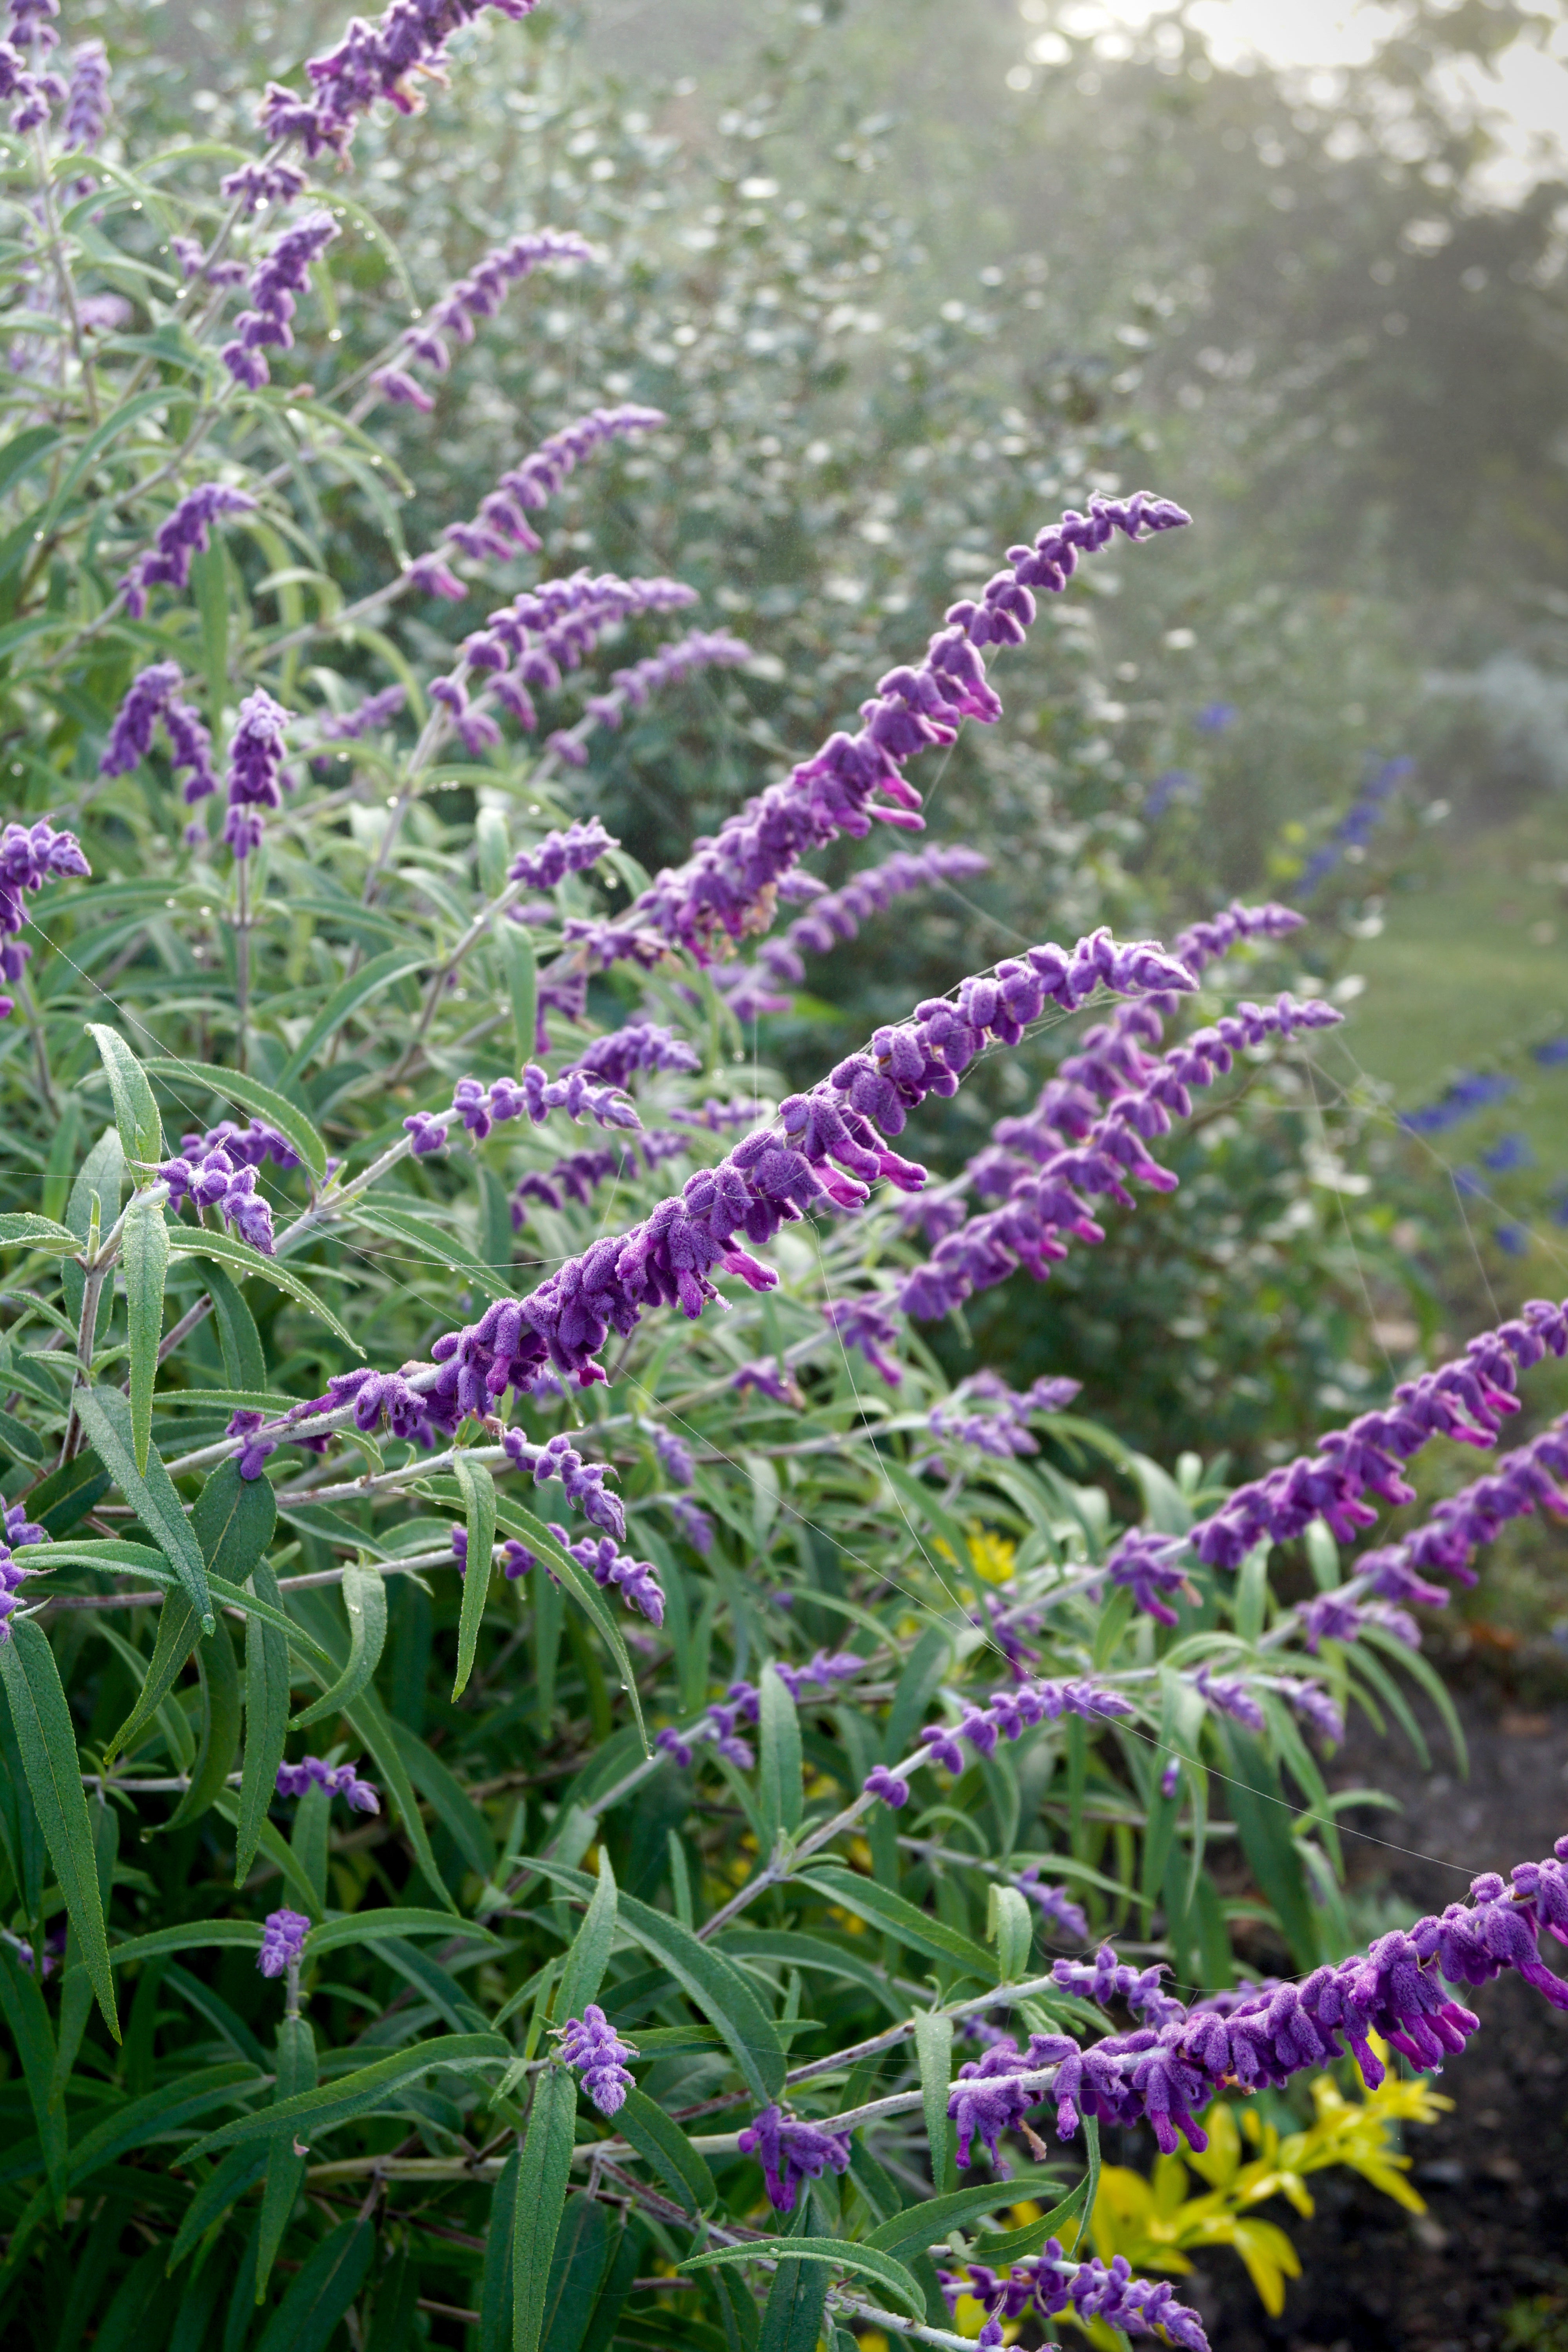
(46, 1737)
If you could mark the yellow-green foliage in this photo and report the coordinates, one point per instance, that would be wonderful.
(1155, 2221)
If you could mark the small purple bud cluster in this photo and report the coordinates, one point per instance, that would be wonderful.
(630, 689)
(584, 1482)
(693, 1523)
(168, 561)
(86, 101)
(1054, 1904)
(501, 527)
(532, 1096)
(256, 185)
(247, 1147)
(771, 1378)
(1473, 1092)
(372, 61)
(559, 854)
(339, 1780)
(864, 1323)
(727, 880)
(834, 918)
(790, 2151)
(418, 1419)
(546, 630)
(154, 695)
(29, 855)
(366, 718)
(33, 93)
(577, 1174)
(275, 282)
(212, 1182)
(714, 1116)
(1042, 1183)
(477, 296)
(1466, 1400)
(1093, 2290)
(283, 1934)
(1226, 1696)
(1153, 1569)
(590, 2043)
(19, 1532)
(721, 1722)
(636, 1579)
(255, 767)
(985, 1413)
(829, 1149)
(1521, 1482)
(674, 1455)
(638, 1045)
(516, 1560)
(1008, 1715)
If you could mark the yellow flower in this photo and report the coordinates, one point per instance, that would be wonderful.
(990, 1555)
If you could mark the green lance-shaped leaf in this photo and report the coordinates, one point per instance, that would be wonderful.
(266, 1714)
(218, 1743)
(933, 2051)
(478, 1492)
(495, 2279)
(135, 1111)
(663, 2143)
(251, 1096)
(780, 1787)
(241, 2168)
(192, 1241)
(880, 1907)
(792, 2316)
(365, 1605)
(522, 987)
(577, 2268)
(34, 2036)
(22, 1230)
(371, 1926)
(320, 2293)
(243, 1361)
(295, 2072)
(176, 1638)
(233, 1521)
(926, 2224)
(145, 1260)
(589, 1956)
(310, 2112)
(357, 989)
(46, 1737)
(517, 1521)
(105, 1415)
(1011, 1928)
(541, 2202)
(861, 2260)
(1009, 2246)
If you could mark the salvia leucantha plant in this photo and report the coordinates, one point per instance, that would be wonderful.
(836, 1717)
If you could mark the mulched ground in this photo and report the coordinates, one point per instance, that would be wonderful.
(1493, 2245)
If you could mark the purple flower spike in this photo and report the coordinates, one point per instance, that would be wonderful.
(279, 277)
(693, 1523)
(1151, 1567)
(342, 1780)
(560, 854)
(866, 1323)
(881, 1782)
(988, 2098)
(283, 1936)
(1229, 1698)
(186, 533)
(589, 2043)
(255, 764)
(1055, 1904)
(637, 1579)
(155, 696)
(30, 856)
(501, 529)
(790, 2151)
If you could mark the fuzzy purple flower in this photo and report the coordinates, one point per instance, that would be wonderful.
(638, 1045)
(1228, 1697)
(86, 100)
(631, 688)
(340, 1780)
(1151, 1568)
(1055, 1904)
(283, 1936)
(501, 529)
(674, 1455)
(834, 918)
(255, 768)
(560, 854)
(213, 1181)
(790, 2151)
(30, 856)
(186, 534)
(275, 282)
(590, 2043)
(637, 1580)
(584, 1481)
(154, 695)
(864, 1323)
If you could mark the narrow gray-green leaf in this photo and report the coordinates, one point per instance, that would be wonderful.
(479, 1492)
(219, 1742)
(780, 1791)
(28, 2020)
(46, 1736)
(378, 973)
(880, 1907)
(21, 1230)
(522, 987)
(589, 1956)
(661, 2143)
(265, 1719)
(434, 1242)
(144, 1260)
(517, 1521)
(367, 1927)
(541, 2201)
(365, 1605)
(193, 1241)
(926, 2224)
(251, 1096)
(307, 2318)
(933, 2051)
(176, 1638)
(863, 2261)
(105, 1415)
(135, 1111)
(351, 2094)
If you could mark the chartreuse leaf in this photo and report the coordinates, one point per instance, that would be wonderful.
(321, 2292)
(276, 1109)
(135, 1111)
(310, 2112)
(479, 1492)
(663, 2143)
(589, 1956)
(780, 1789)
(105, 1415)
(145, 1260)
(861, 2259)
(196, 1241)
(45, 1737)
(295, 2072)
(541, 2179)
(21, 1230)
(30, 2029)
(365, 1605)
